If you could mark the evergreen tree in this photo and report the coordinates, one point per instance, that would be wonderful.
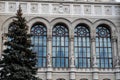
(18, 61)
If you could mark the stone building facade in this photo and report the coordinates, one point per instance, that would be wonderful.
(84, 16)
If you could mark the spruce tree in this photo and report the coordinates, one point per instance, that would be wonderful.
(18, 60)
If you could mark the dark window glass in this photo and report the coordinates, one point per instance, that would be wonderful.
(103, 47)
(60, 79)
(83, 79)
(106, 79)
(82, 46)
(39, 39)
(60, 43)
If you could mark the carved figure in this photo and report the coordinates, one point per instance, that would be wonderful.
(48, 59)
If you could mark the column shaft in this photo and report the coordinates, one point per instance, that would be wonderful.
(94, 59)
(49, 57)
(72, 59)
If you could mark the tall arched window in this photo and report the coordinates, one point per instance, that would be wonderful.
(103, 47)
(82, 46)
(60, 43)
(39, 40)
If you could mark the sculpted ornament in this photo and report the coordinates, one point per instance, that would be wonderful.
(93, 38)
(116, 61)
(93, 61)
(48, 59)
(72, 59)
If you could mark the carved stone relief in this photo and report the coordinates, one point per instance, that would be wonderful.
(108, 10)
(61, 9)
(117, 10)
(24, 7)
(98, 10)
(12, 7)
(2, 6)
(77, 9)
(45, 8)
(87, 9)
(34, 8)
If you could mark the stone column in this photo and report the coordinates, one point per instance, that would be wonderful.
(49, 56)
(116, 58)
(94, 59)
(72, 59)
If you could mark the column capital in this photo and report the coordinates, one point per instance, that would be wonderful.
(71, 38)
(114, 38)
(49, 38)
(93, 38)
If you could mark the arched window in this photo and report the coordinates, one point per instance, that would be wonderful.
(39, 40)
(103, 47)
(60, 43)
(82, 46)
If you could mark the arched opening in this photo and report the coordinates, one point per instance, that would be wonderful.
(39, 39)
(60, 45)
(82, 46)
(103, 46)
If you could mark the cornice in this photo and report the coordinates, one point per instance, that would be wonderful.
(72, 2)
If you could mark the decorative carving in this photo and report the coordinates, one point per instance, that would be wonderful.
(48, 59)
(77, 9)
(117, 10)
(87, 9)
(49, 38)
(93, 61)
(61, 9)
(45, 8)
(24, 7)
(12, 7)
(72, 38)
(2, 6)
(116, 61)
(108, 10)
(72, 60)
(98, 10)
(34, 8)
(93, 38)
(114, 38)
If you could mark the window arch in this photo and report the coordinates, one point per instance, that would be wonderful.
(82, 46)
(39, 39)
(60, 43)
(103, 46)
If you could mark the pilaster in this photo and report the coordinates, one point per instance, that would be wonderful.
(49, 56)
(116, 58)
(72, 59)
(94, 59)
